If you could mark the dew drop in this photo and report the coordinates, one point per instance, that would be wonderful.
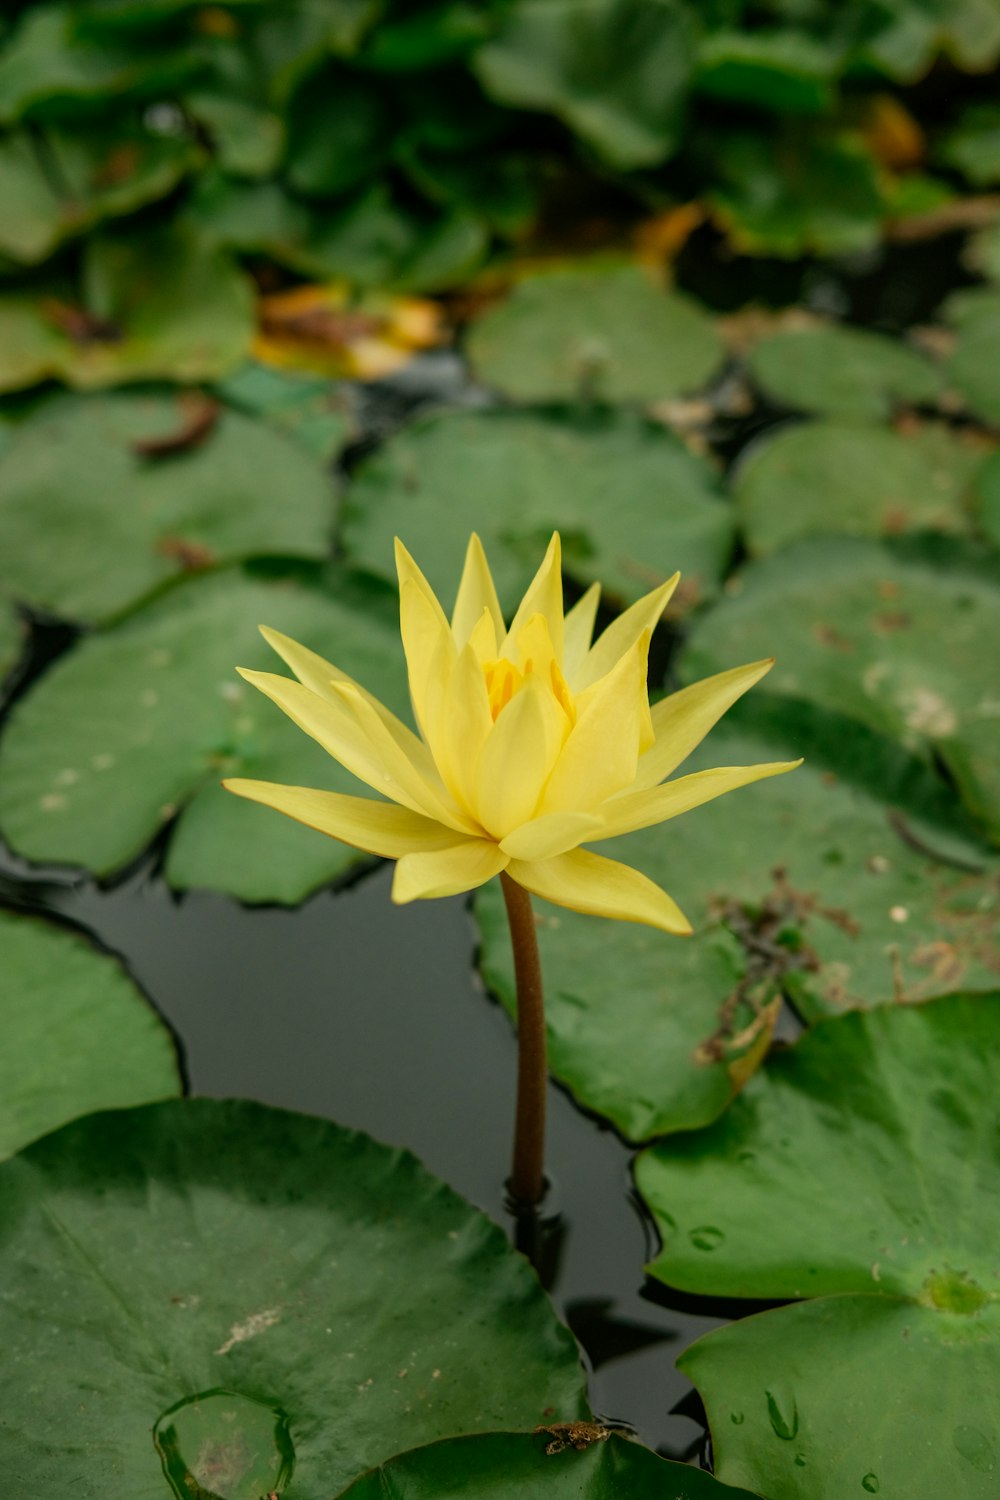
(800, 1460)
(870, 1483)
(706, 1237)
(974, 1447)
(783, 1415)
(222, 1446)
(737, 1418)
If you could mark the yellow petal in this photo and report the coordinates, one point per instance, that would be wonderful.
(600, 887)
(602, 750)
(681, 721)
(552, 834)
(622, 634)
(516, 759)
(378, 827)
(467, 722)
(656, 804)
(476, 593)
(446, 872)
(544, 597)
(429, 649)
(485, 638)
(578, 630)
(355, 735)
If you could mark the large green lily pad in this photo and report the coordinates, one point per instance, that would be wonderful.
(842, 372)
(781, 71)
(896, 635)
(828, 477)
(77, 1033)
(973, 146)
(610, 333)
(972, 368)
(550, 1465)
(859, 1168)
(842, 883)
(310, 408)
(233, 1274)
(138, 724)
(92, 525)
(616, 71)
(515, 477)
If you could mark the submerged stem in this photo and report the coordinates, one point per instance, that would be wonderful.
(527, 1178)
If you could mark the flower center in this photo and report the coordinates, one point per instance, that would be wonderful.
(504, 679)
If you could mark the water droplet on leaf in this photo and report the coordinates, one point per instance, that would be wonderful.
(870, 1483)
(221, 1446)
(706, 1237)
(974, 1447)
(800, 1460)
(737, 1418)
(783, 1415)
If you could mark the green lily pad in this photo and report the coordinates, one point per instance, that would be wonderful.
(311, 409)
(973, 147)
(798, 194)
(247, 140)
(515, 477)
(784, 72)
(987, 496)
(843, 884)
(893, 634)
(78, 1034)
(245, 1279)
(339, 132)
(859, 1169)
(598, 1465)
(905, 40)
(973, 369)
(143, 721)
(92, 526)
(611, 333)
(163, 304)
(842, 372)
(830, 477)
(616, 71)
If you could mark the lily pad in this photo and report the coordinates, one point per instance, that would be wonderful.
(858, 1169)
(247, 139)
(515, 477)
(311, 410)
(973, 147)
(144, 720)
(616, 71)
(92, 525)
(830, 477)
(843, 884)
(612, 334)
(892, 634)
(78, 1034)
(781, 71)
(210, 1269)
(973, 369)
(842, 372)
(582, 1462)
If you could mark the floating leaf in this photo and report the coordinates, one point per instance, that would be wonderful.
(94, 522)
(616, 71)
(860, 1169)
(973, 147)
(78, 1035)
(310, 410)
(581, 1461)
(904, 40)
(339, 132)
(988, 499)
(831, 477)
(608, 333)
(973, 368)
(515, 477)
(149, 716)
(842, 372)
(237, 1284)
(784, 72)
(843, 884)
(247, 140)
(895, 636)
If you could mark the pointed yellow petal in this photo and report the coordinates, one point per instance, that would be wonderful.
(553, 834)
(476, 593)
(517, 757)
(681, 721)
(446, 872)
(378, 827)
(622, 634)
(544, 597)
(408, 572)
(429, 649)
(602, 751)
(485, 638)
(655, 805)
(578, 630)
(600, 887)
(467, 723)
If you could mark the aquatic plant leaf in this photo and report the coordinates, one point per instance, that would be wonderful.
(892, 634)
(842, 372)
(858, 1169)
(150, 715)
(580, 334)
(973, 147)
(247, 140)
(269, 1264)
(78, 1035)
(972, 368)
(846, 884)
(584, 1462)
(339, 132)
(860, 480)
(305, 407)
(616, 71)
(781, 71)
(98, 510)
(514, 477)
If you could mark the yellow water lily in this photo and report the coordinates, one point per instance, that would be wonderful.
(533, 742)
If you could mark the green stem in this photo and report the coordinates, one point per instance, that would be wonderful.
(527, 1178)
